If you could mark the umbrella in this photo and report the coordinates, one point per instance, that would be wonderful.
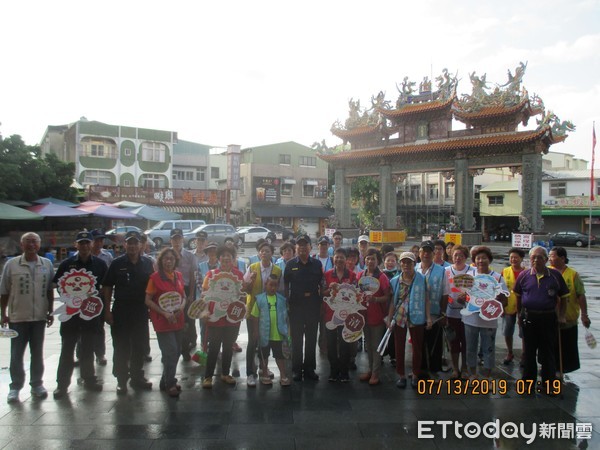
(154, 213)
(56, 201)
(54, 210)
(107, 211)
(8, 212)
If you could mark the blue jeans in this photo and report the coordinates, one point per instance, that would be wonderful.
(31, 333)
(488, 345)
(170, 349)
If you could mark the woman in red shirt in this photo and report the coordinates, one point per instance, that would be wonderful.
(165, 298)
(377, 309)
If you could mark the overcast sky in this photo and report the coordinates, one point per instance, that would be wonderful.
(261, 72)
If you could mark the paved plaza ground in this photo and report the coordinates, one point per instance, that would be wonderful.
(307, 415)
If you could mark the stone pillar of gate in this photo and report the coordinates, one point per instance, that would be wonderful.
(464, 200)
(531, 182)
(387, 197)
(342, 199)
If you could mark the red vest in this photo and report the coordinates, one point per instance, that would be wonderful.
(160, 323)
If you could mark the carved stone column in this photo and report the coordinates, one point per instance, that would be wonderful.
(387, 197)
(531, 182)
(342, 198)
(464, 200)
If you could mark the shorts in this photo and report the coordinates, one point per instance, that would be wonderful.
(276, 347)
(508, 328)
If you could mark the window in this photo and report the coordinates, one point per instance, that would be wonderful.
(449, 189)
(101, 177)
(597, 187)
(200, 173)
(285, 159)
(127, 152)
(310, 161)
(99, 148)
(287, 189)
(178, 175)
(558, 189)
(154, 152)
(242, 186)
(153, 180)
(126, 183)
(308, 190)
(495, 200)
(214, 173)
(415, 192)
(432, 191)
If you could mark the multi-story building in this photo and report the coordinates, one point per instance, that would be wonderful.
(116, 162)
(283, 183)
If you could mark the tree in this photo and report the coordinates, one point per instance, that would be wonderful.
(365, 191)
(25, 175)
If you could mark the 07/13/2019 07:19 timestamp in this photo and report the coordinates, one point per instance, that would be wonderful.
(488, 386)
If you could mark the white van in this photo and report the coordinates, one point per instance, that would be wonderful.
(161, 232)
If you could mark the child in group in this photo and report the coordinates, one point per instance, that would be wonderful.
(270, 313)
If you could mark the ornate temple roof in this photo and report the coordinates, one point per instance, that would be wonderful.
(521, 112)
(451, 144)
(409, 109)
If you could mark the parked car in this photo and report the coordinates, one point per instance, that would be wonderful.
(220, 233)
(161, 232)
(571, 238)
(280, 231)
(253, 234)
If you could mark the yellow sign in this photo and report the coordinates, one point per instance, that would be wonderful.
(387, 237)
(456, 238)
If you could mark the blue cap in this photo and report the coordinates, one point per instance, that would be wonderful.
(133, 235)
(84, 236)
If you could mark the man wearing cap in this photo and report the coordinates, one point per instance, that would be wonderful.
(323, 255)
(255, 280)
(187, 267)
(434, 277)
(363, 246)
(201, 237)
(27, 301)
(128, 277)
(303, 278)
(76, 327)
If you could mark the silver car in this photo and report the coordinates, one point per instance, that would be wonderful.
(217, 232)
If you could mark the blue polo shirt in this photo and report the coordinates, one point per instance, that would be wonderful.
(540, 293)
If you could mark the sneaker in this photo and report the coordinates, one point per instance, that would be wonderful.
(39, 392)
(236, 348)
(141, 383)
(401, 383)
(228, 379)
(60, 392)
(271, 374)
(266, 381)
(509, 359)
(332, 378)
(173, 391)
(92, 386)
(101, 360)
(121, 388)
(251, 380)
(13, 396)
(345, 378)
(207, 383)
(285, 381)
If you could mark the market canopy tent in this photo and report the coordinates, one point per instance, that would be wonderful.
(109, 212)
(54, 210)
(154, 213)
(56, 201)
(8, 212)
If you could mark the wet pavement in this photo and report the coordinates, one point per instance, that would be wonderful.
(307, 415)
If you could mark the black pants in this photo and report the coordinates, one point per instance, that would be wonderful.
(99, 341)
(70, 331)
(338, 352)
(251, 350)
(130, 341)
(304, 323)
(540, 334)
(433, 349)
(217, 337)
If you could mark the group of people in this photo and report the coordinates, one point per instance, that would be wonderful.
(418, 292)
